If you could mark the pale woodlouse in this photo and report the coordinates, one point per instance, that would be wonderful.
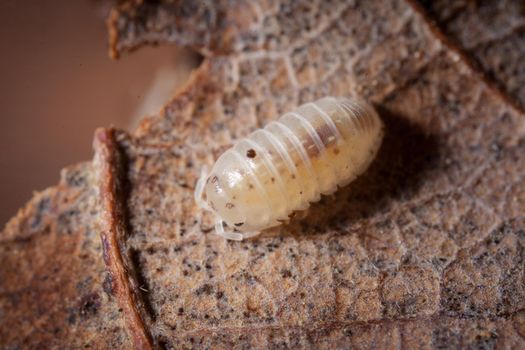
(264, 178)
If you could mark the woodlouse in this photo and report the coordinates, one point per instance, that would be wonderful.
(264, 178)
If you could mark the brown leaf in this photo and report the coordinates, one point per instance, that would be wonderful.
(426, 249)
(379, 255)
(54, 290)
(493, 32)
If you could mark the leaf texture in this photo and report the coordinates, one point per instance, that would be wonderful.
(492, 32)
(54, 289)
(425, 250)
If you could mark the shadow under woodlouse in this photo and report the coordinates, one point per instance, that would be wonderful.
(398, 171)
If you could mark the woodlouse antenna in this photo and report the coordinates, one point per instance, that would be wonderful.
(219, 230)
(199, 190)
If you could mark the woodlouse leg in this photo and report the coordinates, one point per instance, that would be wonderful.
(219, 229)
(249, 234)
(199, 189)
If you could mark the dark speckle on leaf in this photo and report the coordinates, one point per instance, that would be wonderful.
(206, 289)
(89, 305)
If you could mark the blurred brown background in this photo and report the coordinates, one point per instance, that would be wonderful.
(58, 84)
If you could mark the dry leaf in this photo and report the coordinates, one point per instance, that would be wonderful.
(426, 249)
(493, 32)
(54, 290)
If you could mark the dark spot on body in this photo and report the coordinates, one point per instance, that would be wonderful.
(251, 153)
(239, 224)
(293, 176)
(273, 179)
(229, 205)
(181, 311)
(250, 186)
(336, 150)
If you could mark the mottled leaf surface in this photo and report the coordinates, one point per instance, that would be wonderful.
(425, 250)
(54, 290)
(492, 32)
(429, 241)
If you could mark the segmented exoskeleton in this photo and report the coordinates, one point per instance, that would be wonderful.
(282, 168)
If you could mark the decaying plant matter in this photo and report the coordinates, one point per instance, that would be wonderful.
(426, 251)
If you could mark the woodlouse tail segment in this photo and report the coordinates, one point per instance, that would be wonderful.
(355, 112)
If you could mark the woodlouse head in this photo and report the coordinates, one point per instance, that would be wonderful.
(218, 195)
